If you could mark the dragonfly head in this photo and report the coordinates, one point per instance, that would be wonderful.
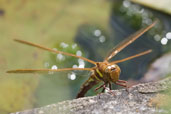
(113, 72)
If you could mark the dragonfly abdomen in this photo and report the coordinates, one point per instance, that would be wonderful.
(87, 86)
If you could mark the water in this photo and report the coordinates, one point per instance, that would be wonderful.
(56, 29)
(126, 18)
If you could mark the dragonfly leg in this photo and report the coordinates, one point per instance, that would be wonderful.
(104, 87)
(109, 89)
(110, 86)
(103, 90)
(122, 81)
(120, 84)
(100, 87)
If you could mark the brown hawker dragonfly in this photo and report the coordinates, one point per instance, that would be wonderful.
(106, 72)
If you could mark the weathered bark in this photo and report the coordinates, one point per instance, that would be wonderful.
(138, 100)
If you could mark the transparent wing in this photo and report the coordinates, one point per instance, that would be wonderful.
(128, 41)
(52, 50)
(46, 70)
(131, 57)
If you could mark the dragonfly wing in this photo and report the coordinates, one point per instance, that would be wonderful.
(46, 70)
(131, 57)
(54, 51)
(128, 41)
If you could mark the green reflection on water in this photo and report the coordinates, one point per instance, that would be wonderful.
(57, 22)
(61, 86)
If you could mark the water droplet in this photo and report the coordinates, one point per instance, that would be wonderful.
(157, 37)
(164, 41)
(81, 66)
(168, 35)
(54, 67)
(97, 32)
(60, 57)
(63, 45)
(126, 3)
(74, 46)
(135, 8)
(74, 66)
(78, 53)
(102, 39)
(72, 76)
(141, 11)
(81, 63)
(147, 21)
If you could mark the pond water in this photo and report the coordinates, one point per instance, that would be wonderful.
(92, 37)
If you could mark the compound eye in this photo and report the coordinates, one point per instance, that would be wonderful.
(113, 69)
(108, 69)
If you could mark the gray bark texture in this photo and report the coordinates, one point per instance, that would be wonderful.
(137, 101)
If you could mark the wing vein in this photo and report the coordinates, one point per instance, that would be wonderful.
(128, 41)
(46, 70)
(55, 51)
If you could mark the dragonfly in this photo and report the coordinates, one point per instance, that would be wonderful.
(104, 72)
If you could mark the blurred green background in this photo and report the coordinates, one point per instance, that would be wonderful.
(67, 25)
(44, 22)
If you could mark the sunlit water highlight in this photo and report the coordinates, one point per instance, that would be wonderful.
(72, 76)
